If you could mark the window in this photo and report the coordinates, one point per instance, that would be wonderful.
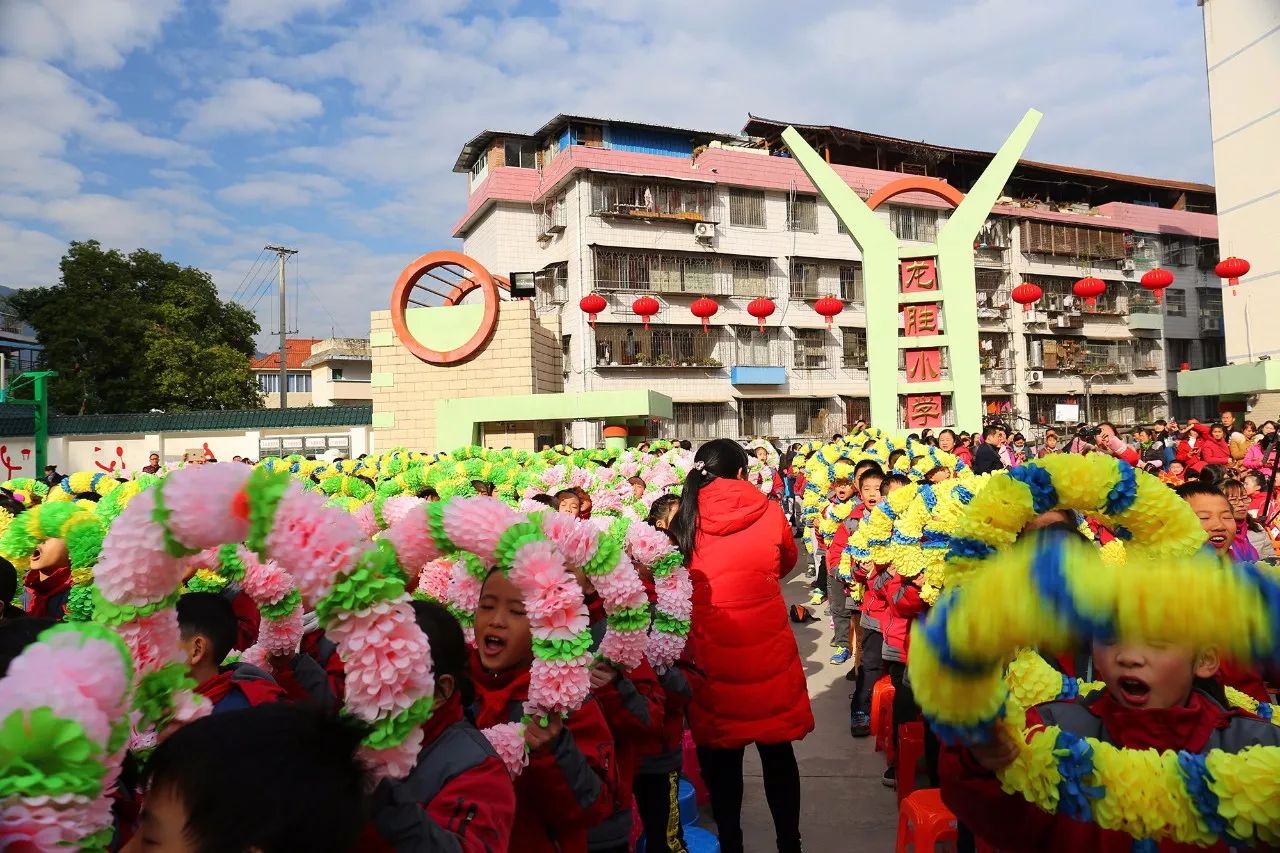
(802, 213)
(520, 153)
(480, 166)
(552, 285)
(269, 383)
(804, 280)
(1071, 241)
(811, 416)
(1213, 352)
(811, 349)
(851, 283)
(746, 208)
(554, 215)
(1210, 302)
(1176, 303)
(698, 420)
(755, 417)
(750, 277)
(755, 348)
(628, 344)
(651, 199)
(336, 373)
(856, 409)
(1179, 353)
(854, 345)
(913, 223)
(590, 135)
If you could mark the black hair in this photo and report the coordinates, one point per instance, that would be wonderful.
(208, 614)
(16, 635)
(544, 498)
(899, 478)
(1018, 435)
(482, 487)
(427, 493)
(895, 456)
(563, 495)
(659, 509)
(991, 429)
(634, 480)
(930, 440)
(449, 655)
(1191, 488)
(867, 465)
(871, 474)
(1213, 474)
(837, 437)
(868, 444)
(1108, 424)
(88, 496)
(10, 503)
(1256, 476)
(949, 431)
(297, 765)
(721, 457)
(686, 444)
(8, 582)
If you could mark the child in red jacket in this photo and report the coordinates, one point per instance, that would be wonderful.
(207, 627)
(1157, 697)
(569, 784)
(904, 606)
(459, 795)
(874, 578)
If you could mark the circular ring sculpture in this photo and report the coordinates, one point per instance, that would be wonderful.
(441, 267)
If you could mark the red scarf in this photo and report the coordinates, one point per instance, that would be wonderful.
(216, 687)
(43, 590)
(258, 691)
(1188, 727)
(496, 691)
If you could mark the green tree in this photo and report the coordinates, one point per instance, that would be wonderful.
(130, 333)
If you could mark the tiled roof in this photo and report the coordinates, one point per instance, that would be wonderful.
(297, 350)
(16, 420)
(737, 167)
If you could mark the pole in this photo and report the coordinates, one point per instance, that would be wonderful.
(282, 254)
(40, 416)
(1088, 403)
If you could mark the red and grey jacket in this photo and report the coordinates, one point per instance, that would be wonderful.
(240, 686)
(304, 681)
(1008, 822)
(458, 798)
(875, 601)
(567, 787)
(324, 651)
(248, 619)
(905, 605)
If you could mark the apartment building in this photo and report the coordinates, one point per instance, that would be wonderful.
(627, 210)
(321, 372)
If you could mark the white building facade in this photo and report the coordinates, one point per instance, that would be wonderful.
(627, 211)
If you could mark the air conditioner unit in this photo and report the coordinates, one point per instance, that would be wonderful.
(1035, 377)
(1127, 265)
(704, 231)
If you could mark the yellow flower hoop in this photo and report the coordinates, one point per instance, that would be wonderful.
(1135, 505)
(1055, 589)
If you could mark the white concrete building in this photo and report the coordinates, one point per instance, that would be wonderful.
(627, 210)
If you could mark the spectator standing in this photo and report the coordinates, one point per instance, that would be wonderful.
(153, 464)
(987, 458)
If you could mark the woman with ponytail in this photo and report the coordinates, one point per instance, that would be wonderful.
(748, 682)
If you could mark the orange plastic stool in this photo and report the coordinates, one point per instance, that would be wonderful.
(910, 751)
(923, 822)
(882, 716)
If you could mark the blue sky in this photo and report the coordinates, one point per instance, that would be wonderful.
(205, 130)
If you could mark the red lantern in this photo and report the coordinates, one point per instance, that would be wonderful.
(761, 308)
(1027, 293)
(704, 308)
(1156, 281)
(829, 307)
(1089, 289)
(646, 307)
(591, 305)
(1233, 269)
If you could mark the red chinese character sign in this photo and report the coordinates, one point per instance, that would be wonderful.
(923, 410)
(924, 365)
(919, 274)
(920, 320)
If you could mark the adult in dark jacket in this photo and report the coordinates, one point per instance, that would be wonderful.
(986, 458)
(745, 671)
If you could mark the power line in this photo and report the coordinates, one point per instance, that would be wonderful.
(315, 295)
(261, 254)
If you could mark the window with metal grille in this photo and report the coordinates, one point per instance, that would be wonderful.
(812, 416)
(1147, 355)
(299, 383)
(1142, 301)
(750, 277)
(856, 409)
(631, 271)
(804, 280)
(802, 213)
(1175, 303)
(631, 344)
(1071, 241)
(746, 207)
(1178, 353)
(914, 223)
(810, 349)
(854, 346)
(851, 283)
(755, 348)
(552, 285)
(1059, 295)
(651, 199)
(698, 420)
(554, 215)
(755, 417)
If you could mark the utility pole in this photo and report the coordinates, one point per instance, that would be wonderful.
(282, 255)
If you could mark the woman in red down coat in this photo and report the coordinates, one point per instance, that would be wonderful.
(745, 671)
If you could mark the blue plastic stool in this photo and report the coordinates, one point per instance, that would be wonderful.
(688, 800)
(697, 839)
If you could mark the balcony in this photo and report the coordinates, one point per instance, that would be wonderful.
(997, 376)
(653, 201)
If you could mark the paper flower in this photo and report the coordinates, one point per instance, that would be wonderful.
(507, 740)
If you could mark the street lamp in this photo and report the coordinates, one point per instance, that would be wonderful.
(1088, 396)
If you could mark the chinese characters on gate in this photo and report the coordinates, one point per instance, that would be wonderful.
(921, 320)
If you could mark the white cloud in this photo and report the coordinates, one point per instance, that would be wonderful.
(95, 34)
(252, 104)
(30, 256)
(257, 15)
(282, 190)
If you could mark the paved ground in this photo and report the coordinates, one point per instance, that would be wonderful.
(844, 806)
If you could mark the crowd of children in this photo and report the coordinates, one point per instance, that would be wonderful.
(277, 753)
